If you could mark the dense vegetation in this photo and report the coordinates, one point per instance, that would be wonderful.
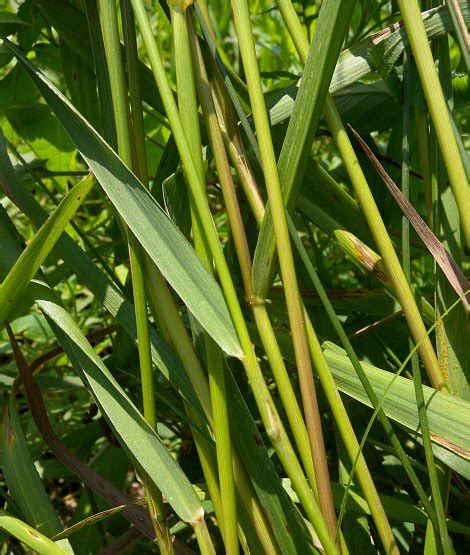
(187, 367)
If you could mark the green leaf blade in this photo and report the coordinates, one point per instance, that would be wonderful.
(21, 475)
(40, 246)
(163, 242)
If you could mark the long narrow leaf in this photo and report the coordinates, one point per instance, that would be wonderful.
(162, 241)
(40, 246)
(92, 277)
(22, 477)
(29, 536)
(276, 503)
(127, 423)
(445, 261)
(96, 483)
(449, 417)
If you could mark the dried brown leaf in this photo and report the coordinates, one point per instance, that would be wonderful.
(446, 262)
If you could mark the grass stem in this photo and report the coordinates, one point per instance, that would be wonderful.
(284, 250)
(207, 99)
(438, 109)
(418, 386)
(188, 111)
(204, 540)
(374, 219)
(268, 411)
(109, 23)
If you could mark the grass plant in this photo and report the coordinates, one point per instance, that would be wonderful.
(219, 330)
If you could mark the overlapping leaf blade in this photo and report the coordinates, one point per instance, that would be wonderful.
(266, 481)
(22, 477)
(449, 416)
(127, 423)
(40, 246)
(163, 242)
(113, 300)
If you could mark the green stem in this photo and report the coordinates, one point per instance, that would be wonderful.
(188, 111)
(341, 417)
(172, 329)
(203, 537)
(388, 428)
(444, 213)
(347, 433)
(233, 144)
(422, 132)
(386, 249)
(180, 339)
(244, 257)
(162, 297)
(268, 412)
(278, 368)
(374, 219)
(253, 508)
(135, 98)
(438, 109)
(112, 44)
(418, 386)
(443, 534)
(327, 380)
(242, 22)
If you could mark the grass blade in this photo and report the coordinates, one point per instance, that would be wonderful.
(134, 434)
(22, 477)
(448, 416)
(92, 277)
(448, 265)
(29, 536)
(40, 246)
(95, 482)
(156, 233)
